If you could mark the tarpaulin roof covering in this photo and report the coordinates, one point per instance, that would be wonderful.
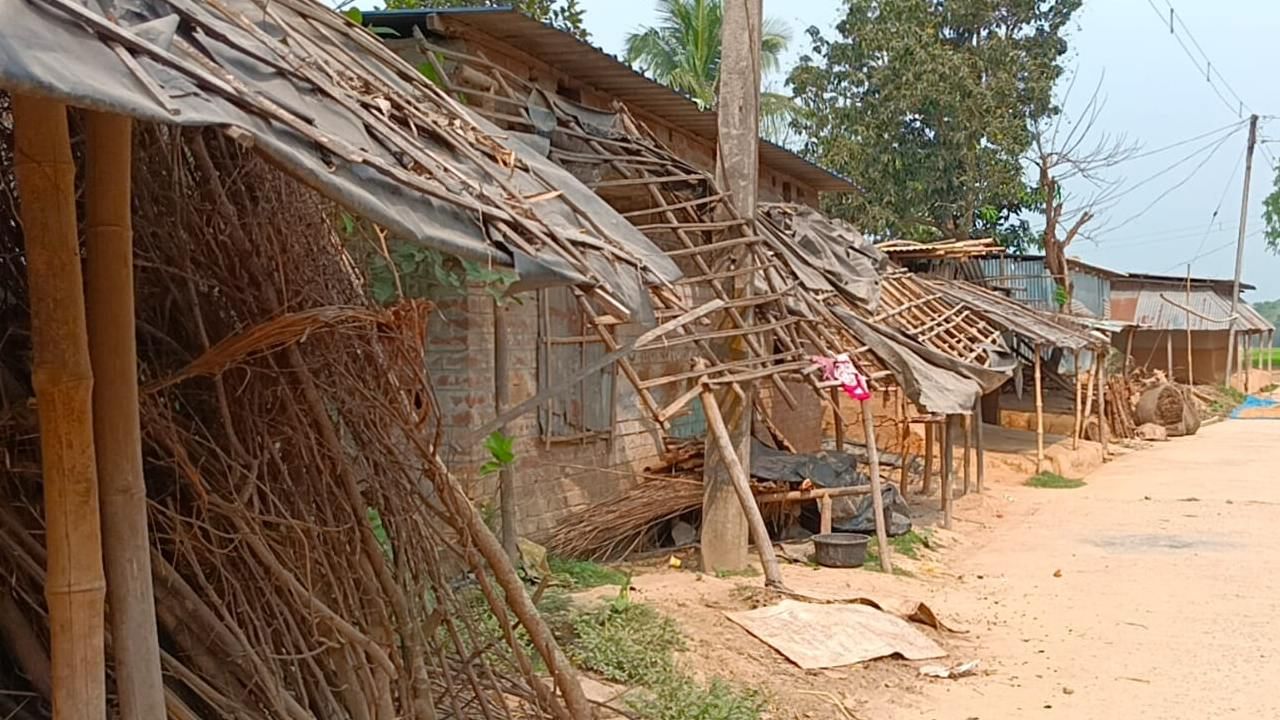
(327, 102)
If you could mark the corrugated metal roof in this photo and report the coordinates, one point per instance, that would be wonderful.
(1163, 306)
(604, 72)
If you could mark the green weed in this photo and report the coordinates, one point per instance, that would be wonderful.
(583, 574)
(1054, 481)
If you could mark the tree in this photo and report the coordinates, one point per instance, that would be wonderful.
(683, 52)
(1062, 152)
(566, 15)
(1271, 216)
(929, 107)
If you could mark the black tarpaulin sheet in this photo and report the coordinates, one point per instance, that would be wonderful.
(299, 82)
(826, 254)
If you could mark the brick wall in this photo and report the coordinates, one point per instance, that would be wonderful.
(551, 482)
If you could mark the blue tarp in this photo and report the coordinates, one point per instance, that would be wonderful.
(1252, 402)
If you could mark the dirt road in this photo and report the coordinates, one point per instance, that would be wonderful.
(1165, 602)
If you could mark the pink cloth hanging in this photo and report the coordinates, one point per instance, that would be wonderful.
(842, 370)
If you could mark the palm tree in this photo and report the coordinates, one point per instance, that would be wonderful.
(683, 52)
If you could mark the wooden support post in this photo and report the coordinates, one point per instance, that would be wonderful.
(839, 419)
(946, 452)
(75, 588)
(929, 431)
(1128, 349)
(501, 402)
(742, 487)
(1101, 372)
(904, 454)
(1077, 428)
(877, 497)
(1168, 347)
(1271, 343)
(117, 433)
(968, 439)
(1039, 413)
(1191, 376)
(977, 442)
(824, 514)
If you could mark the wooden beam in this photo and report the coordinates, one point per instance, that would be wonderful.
(968, 434)
(75, 588)
(1168, 347)
(929, 432)
(839, 419)
(1079, 419)
(117, 432)
(742, 488)
(877, 497)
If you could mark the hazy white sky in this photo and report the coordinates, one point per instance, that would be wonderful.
(1155, 96)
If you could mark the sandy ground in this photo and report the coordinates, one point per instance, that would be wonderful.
(1151, 590)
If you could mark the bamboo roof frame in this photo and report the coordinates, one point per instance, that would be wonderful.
(685, 213)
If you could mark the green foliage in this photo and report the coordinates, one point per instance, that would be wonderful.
(1258, 358)
(928, 106)
(566, 15)
(1054, 481)
(683, 52)
(1271, 219)
(416, 271)
(583, 574)
(380, 532)
(627, 642)
(683, 699)
(1269, 309)
(502, 452)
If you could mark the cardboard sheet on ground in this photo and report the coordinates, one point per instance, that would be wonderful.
(823, 636)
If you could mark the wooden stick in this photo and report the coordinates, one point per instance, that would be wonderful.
(904, 433)
(117, 433)
(877, 498)
(1191, 376)
(75, 588)
(977, 442)
(501, 399)
(968, 434)
(742, 487)
(1039, 415)
(1168, 348)
(945, 451)
(929, 431)
(1101, 372)
(839, 419)
(1079, 421)
(824, 514)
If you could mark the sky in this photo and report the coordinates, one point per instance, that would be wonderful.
(1154, 96)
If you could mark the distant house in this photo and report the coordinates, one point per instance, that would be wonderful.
(1163, 307)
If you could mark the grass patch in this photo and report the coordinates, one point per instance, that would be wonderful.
(1258, 358)
(1229, 399)
(748, 571)
(634, 644)
(1054, 481)
(583, 574)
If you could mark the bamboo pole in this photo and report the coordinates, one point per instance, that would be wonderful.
(945, 452)
(904, 454)
(116, 426)
(968, 435)
(742, 487)
(1191, 376)
(501, 401)
(877, 497)
(929, 431)
(75, 588)
(1101, 372)
(1168, 348)
(977, 442)
(1076, 429)
(839, 419)
(1039, 413)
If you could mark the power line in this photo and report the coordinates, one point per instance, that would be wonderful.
(1209, 70)
(1221, 199)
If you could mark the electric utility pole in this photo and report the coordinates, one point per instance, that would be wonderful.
(1244, 219)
